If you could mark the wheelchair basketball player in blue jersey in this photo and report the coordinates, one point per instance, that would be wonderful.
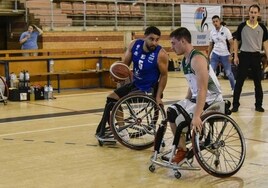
(150, 71)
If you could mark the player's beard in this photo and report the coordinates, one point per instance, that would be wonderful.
(151, 48)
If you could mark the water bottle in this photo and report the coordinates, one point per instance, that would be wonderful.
(51, 65)
(32, 94)
(21, 76)
(45, 92)
(50, 92)
(12, 78)
(27, 79)
(98, 67)
(27, 76)
(21, 79)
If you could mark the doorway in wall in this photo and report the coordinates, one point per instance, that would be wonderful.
(3, 35)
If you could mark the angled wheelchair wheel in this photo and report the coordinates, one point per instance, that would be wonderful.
(4, 92)
(134, 120)
(220, 148)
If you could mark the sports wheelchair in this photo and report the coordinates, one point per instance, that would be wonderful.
(219, 148)
(133, 121)
(3, 90)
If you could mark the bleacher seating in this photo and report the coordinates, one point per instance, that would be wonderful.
(124, 9)
(78, 8)
(91, 9)
(41, 10)
(66, 7)
(262, 2)
(248, 2)
(236, 2)
(229, 1)
(227, 11)
(74, 9)
(111, 8)
(213, 1)
(102, 9)
(160, 1)
(205, 1)
(221, 1)
(135, 10)
(237, 11)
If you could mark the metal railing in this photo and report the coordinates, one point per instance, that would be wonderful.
(157, 13)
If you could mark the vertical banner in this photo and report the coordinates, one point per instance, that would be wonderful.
(197, 19)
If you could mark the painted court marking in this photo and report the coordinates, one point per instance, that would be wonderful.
(44, 130)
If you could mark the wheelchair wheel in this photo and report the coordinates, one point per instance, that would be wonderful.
(3, 90)
(134, 120)
(220, 148)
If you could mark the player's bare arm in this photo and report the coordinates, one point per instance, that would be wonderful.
(231, 42)
(236, 60)
(265, 47)
(128, 55)
(200, 66)
(210, 46)
(163, 68)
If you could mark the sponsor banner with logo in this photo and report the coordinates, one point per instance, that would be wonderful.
(198, 20)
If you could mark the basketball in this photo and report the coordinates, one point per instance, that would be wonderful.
(119, 71)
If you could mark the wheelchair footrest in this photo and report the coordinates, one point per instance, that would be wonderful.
(105, 140)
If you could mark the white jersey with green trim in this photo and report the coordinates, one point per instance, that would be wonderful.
(214, 93)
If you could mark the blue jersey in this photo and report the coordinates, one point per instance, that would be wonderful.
(145, 67)
(30, 43)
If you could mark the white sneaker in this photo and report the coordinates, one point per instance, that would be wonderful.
(266, 69)
(124, 135)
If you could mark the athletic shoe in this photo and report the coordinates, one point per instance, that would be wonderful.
(259, 109)
(179, 156)
(234, 109)
(266, 69)
(124, 135)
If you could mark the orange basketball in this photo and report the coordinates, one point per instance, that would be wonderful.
(119, 71)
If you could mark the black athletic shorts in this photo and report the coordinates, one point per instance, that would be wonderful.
(128, 88)
(125, 89)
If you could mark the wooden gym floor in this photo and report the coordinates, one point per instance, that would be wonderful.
(51, 144)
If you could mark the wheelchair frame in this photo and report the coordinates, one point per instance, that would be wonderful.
(3, 91)
(219, 149)
(137, 115)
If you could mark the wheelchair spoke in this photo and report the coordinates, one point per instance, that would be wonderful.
(149, 111)
(131, 110)
(221, 149)
(230, 158)
(134, 119)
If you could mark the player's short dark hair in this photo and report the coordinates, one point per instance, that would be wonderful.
(152, 30)
(180, 33)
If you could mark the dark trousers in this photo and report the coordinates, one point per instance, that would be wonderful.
(249, 60)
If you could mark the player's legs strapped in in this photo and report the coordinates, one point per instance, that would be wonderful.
(180, 114)
(110, 102)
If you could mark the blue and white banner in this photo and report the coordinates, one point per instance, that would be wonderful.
(198, 20)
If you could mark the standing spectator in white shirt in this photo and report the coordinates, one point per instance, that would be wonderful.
(218, 49)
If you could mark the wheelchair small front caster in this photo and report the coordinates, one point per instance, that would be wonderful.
(152, 168)
(177, 175)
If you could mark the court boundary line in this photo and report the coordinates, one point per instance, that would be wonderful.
(81, 112)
